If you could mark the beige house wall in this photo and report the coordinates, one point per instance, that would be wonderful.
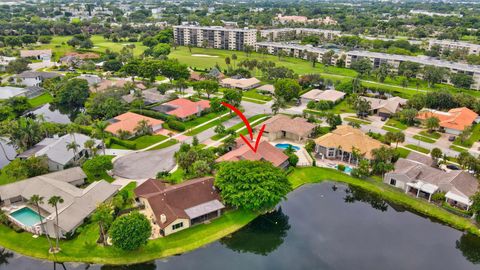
(169, 229)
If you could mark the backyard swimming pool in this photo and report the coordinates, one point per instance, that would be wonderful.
(348, 169)
(286, 145)
(26, 216)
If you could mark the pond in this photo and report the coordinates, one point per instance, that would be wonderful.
(7, 152)
(322, 226)
(54, 114)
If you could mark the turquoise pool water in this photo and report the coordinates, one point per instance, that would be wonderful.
(348, 169)
(286, 145)
(26, 216)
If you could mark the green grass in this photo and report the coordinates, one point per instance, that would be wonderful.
(458, 148)
(474, 137)
(202, 119)
(5, 179)
(253, 100)
(433, 135)
(40, 100)
(342, 107)
(104, 175)
(217, 137)
(252, 93)
(391, 129)
(424, 139)
(212, 124)
(402, 152)
(164, 145)
(357, 120)
(176, 177)
(417, 148)
(396, 124)
(142, 141)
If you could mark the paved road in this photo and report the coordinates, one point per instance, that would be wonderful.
(142, 165)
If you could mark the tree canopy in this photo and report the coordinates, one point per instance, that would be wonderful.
(130, 232)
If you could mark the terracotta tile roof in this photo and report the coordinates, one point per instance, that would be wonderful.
(347, 138)
(298, 126)
(128, 121)
(265, 151)
(457, 118)
(34, 53)
(392, 104)
(88, 55)
(327, 95)
(184, 107)
(172, 201)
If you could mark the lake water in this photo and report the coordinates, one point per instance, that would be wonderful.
(54, 114)
(7, 153)
(319, 227)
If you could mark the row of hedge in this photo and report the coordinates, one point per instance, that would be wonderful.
(171, 122)
(127, 144)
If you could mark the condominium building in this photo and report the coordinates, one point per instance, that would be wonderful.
(394, 61)
(451, 45)
(293, 50)
(214, 37)
(284, 34)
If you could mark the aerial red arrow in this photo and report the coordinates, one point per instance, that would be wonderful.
(249, 128)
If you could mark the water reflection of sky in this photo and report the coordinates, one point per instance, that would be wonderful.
(52, 114)
(9, 153)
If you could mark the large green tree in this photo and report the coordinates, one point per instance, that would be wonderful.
(73, 93)
(130, 232)
(288, 89)
(252, 185)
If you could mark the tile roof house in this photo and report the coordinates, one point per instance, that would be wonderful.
(29, 92)
(55, 149)
(327, 95)
(77, 206)
(454, 121)
(283, 126)
(341, 142)
(422, 180)
(267, 87)
(150, 96)
(243, 83)
(129, 121)
(265, 152)
(106, 84)
(37, 54)
(183, 108)
(386, 107)
(175, 208)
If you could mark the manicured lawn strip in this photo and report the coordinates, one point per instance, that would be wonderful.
(457, 148)
(253, 100)
(433, 135)
(403, 152)
(396, 124)
(424, 139)
(391, 129)
(142, 142)
(342, 107)
(417, 148)
(202, 119)
(164, 145)
(474, 137)
(217, 137)
(5, 179)
(217, 122)
(40, 100)
(301, 176)
(357, 120)
(255, 95)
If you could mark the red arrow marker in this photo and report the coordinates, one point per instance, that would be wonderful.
(249, 128)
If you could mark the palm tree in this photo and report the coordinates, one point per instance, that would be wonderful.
(37, 200)
(123, 134)
(181, 85)
(90, 145)
(103, 216)
(54, 201)
(74, 147)
(4, 256)
(278, 103)
(143, 127)
(99, 131)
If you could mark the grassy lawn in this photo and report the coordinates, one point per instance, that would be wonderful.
(142, 141)
(202, 119)
(105, 176)
(176, 177)
(474, 137)
(40, 100)
(417, 148)
(5, 179)
(253, 100)
(391, 129)
(342, 107)
(164, 145)
(215, 123)
(357, 120)
(396, 124)
(434, 135)
(403, 152)
(424, 139)
(252, 93)
(217, 137)
(457, 148)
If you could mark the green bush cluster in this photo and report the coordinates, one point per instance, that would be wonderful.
(171, 122)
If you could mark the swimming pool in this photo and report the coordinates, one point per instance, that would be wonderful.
(348, 169)
(26, 216)
(286, 145)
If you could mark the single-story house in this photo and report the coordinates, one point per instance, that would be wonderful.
(150, 96)
(91, 79)
(385, 107)
(454, 121)
(78, 203)
(422, 180)
(84, 56)
(284, 127)
(267, 88)
(325, 95)
(129, 121)
(196, 76)
(7, 92)
(120, 83)
(265, 152)
(183, 108)
(178, 207)
(35, 78)
(36, 54)
(243, 83)
(4, 61)
(341, 143)
(71, 61)
(55, 149)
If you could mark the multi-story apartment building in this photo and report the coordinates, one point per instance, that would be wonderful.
(284, 34)
(294, 50)
(451, 45)
(394, 61)
(214, 37)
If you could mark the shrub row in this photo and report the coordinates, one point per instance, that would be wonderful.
(171, 122)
